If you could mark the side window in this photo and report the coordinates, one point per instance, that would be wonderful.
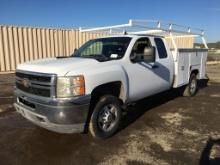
(140, 48)
(161, 48)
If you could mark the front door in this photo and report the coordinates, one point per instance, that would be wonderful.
(147, 77)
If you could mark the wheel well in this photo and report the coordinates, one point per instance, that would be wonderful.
(196, 72)
(112, 88)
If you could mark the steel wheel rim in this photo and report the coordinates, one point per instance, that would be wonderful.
(193, 86)
(107, 117)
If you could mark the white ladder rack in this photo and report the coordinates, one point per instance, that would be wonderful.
(150, 27)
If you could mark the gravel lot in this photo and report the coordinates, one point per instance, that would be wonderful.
(163, 129)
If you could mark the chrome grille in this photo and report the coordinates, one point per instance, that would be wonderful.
(36, 83)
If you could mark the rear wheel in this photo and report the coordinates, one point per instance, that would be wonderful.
(106, 117)
(191, 88)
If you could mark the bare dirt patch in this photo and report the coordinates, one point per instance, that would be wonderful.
(163, 129)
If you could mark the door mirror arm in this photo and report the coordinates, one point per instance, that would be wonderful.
(133, 57)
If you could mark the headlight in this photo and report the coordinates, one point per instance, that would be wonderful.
(70, 86)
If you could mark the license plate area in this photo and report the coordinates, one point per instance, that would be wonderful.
(26, 103)
(30, 115)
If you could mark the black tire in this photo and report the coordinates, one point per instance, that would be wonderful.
(191, 89)
(107, 113)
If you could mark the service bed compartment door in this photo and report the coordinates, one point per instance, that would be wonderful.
(187, 61)
(183, 68)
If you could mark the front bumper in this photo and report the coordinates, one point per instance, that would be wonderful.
(58, 115)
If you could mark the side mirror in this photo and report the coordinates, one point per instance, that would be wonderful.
(149, 51)
(149, 54)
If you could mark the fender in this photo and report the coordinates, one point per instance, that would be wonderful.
(103, 74)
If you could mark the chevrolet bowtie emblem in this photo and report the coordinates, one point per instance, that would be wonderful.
(26, 82)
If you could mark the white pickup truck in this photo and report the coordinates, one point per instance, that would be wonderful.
(89, 88)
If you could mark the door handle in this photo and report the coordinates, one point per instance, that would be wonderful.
(155, 66)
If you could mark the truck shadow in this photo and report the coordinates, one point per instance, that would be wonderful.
(205, 156)
(146, 104)
(162, 71)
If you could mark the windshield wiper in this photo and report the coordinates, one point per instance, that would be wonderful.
(60, 57)
(99, 57)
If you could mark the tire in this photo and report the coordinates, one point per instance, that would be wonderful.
(106, 117)
(191, 89)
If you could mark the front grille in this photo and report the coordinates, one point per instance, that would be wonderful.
(36, 84)
(34, 77)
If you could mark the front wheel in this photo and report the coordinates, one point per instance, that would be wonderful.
(191, 88)
(106, 117)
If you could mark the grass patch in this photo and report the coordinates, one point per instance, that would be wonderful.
(213, 57)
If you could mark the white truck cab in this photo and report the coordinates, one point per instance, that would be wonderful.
(89, 88)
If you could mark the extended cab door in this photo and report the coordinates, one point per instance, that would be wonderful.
(148, 75)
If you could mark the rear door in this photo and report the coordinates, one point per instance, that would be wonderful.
(165, 64)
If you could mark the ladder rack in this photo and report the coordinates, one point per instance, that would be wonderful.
(150, 27)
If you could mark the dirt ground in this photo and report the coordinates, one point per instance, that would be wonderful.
(163, 129)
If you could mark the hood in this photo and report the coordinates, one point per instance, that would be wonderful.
(59, 66)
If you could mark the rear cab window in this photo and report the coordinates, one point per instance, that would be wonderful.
(162, 52)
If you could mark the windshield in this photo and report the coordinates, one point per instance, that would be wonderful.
(104, 49)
